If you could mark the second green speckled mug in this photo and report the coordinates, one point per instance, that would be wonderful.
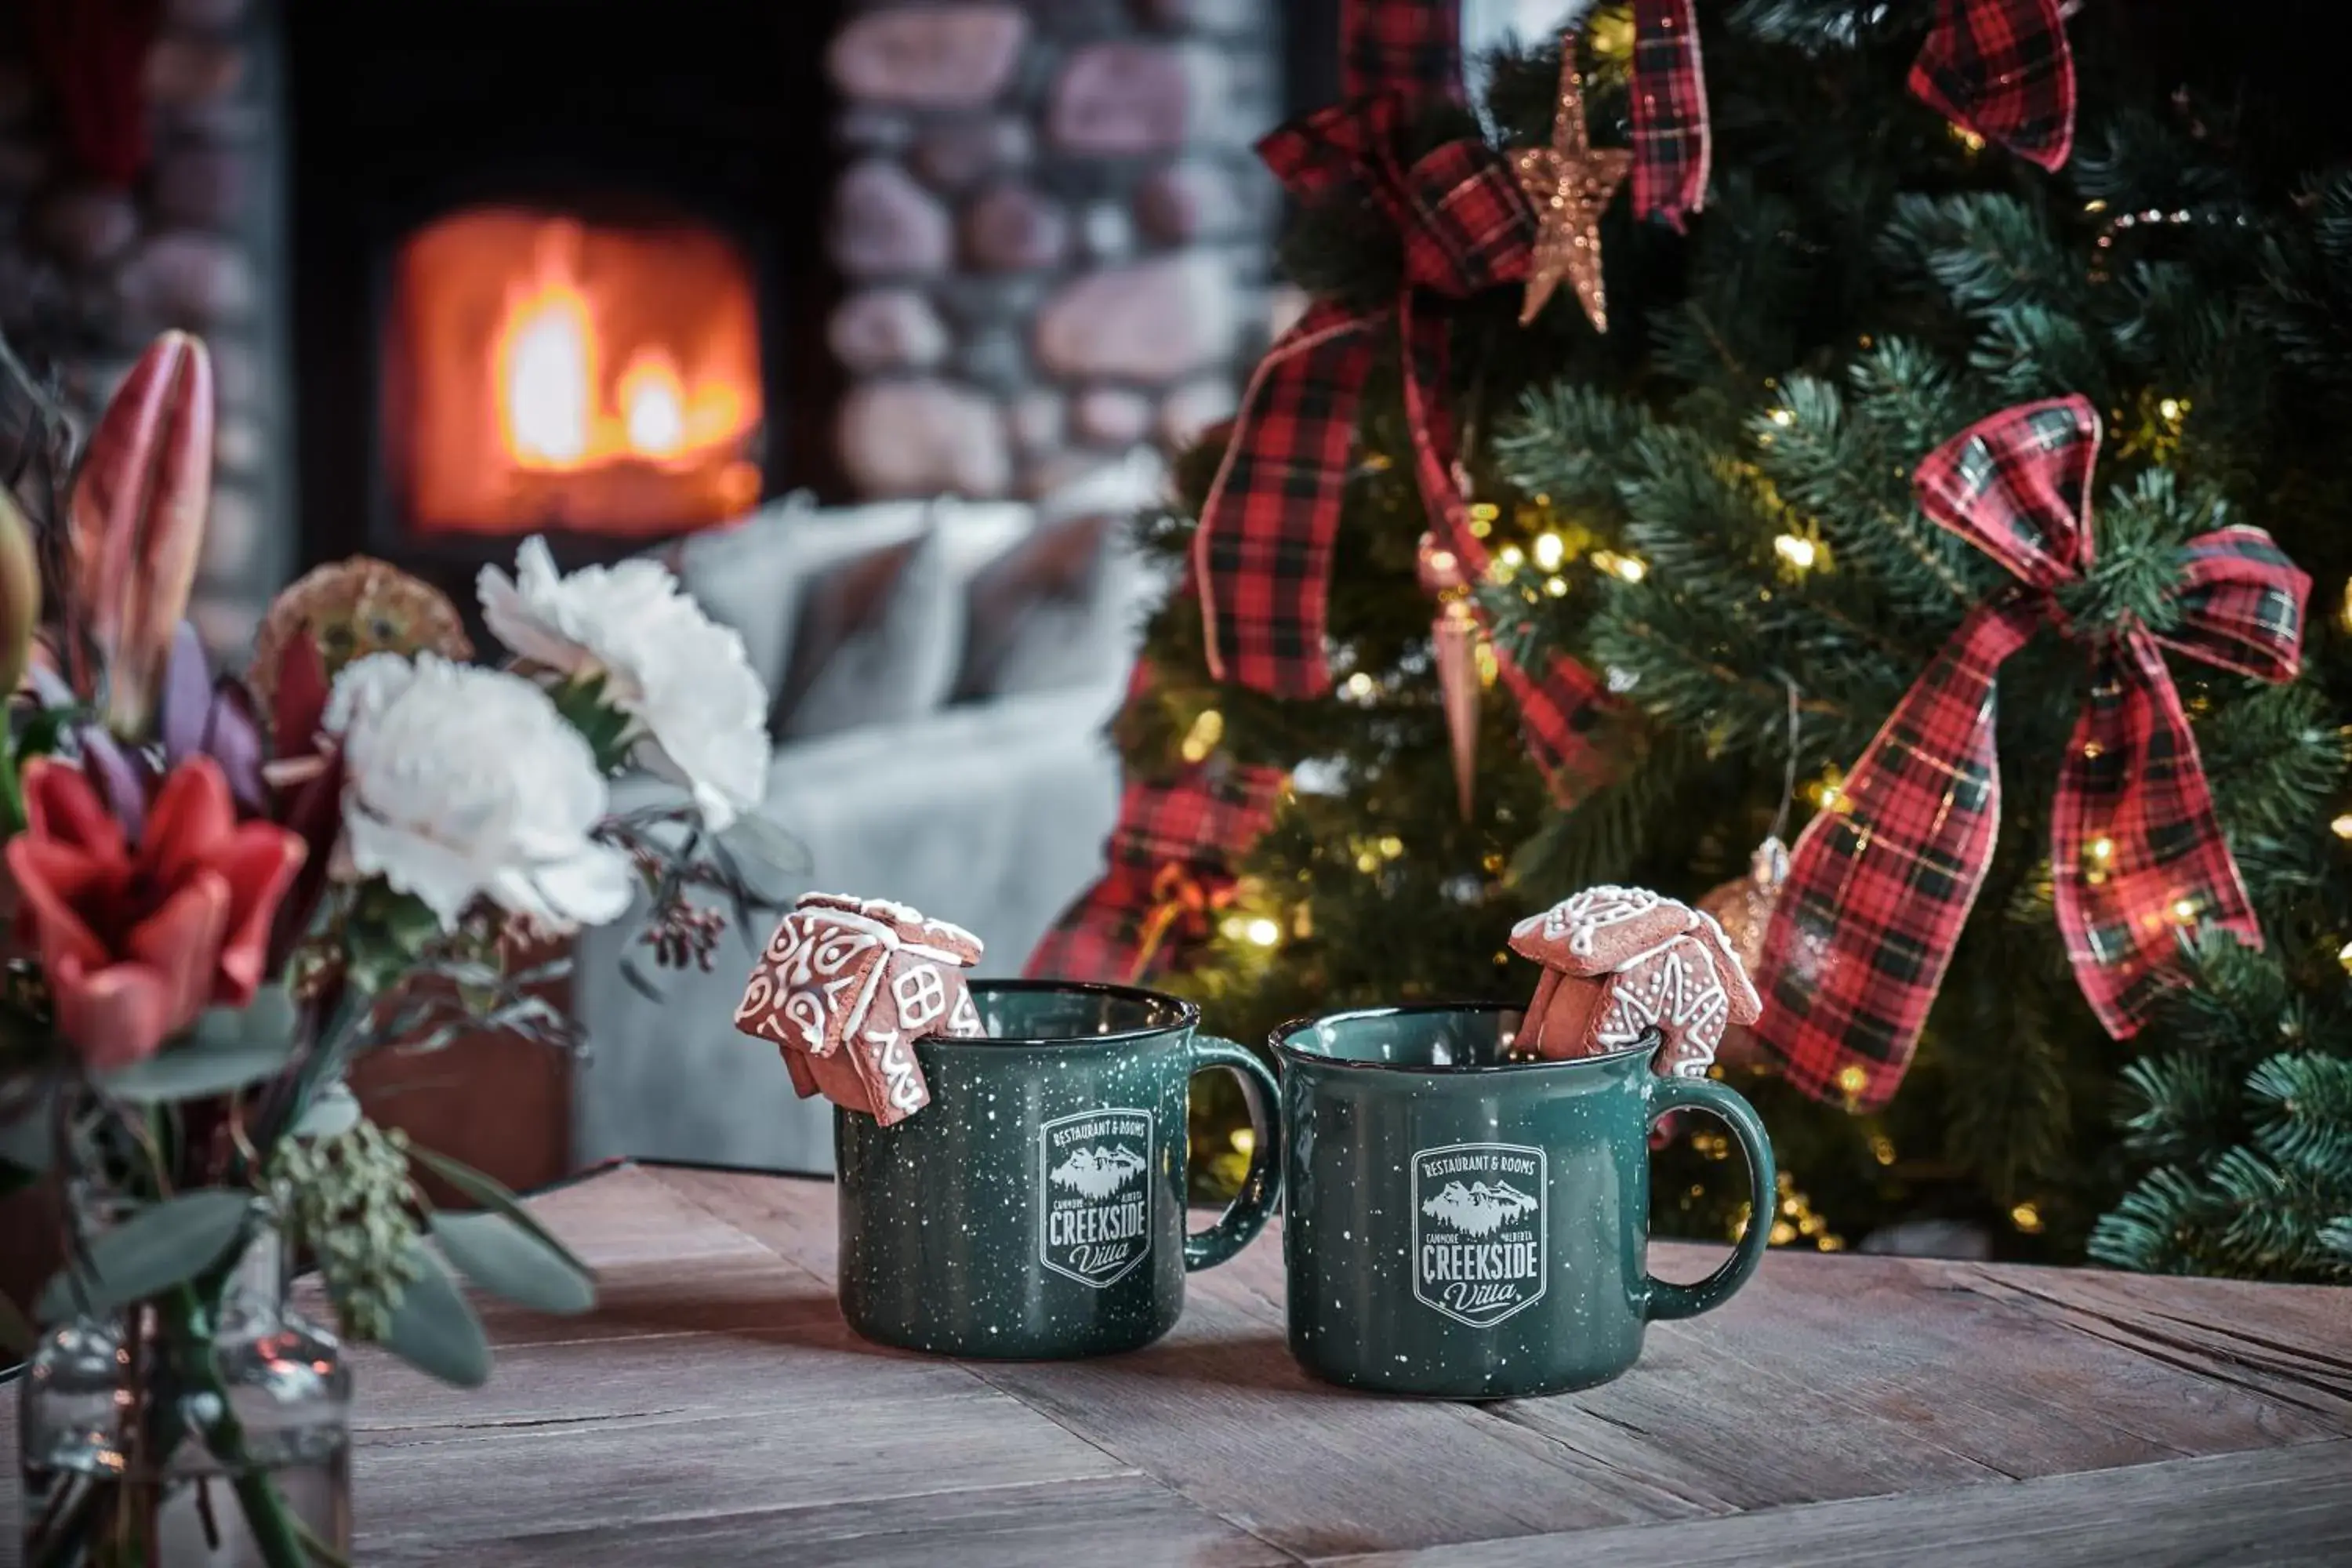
(1036, 1207)
(1462, 1225)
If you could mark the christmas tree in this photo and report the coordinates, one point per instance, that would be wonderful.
(1712, 506)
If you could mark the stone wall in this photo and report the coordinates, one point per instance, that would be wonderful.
(1053, 236)
(89, 274)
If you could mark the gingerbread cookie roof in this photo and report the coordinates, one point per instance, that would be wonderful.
(1610, 930)
(905, 924)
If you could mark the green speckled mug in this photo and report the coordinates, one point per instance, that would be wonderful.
(1463, 1226)
(1034, 1208)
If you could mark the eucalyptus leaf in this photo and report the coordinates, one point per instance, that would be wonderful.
(492, 1195)
(163, 1245)
(754, 837)
(190, 1071)
(509, 1261)
(332, 1111)
(268, 1020)
(432, 1329)
(16, 1331)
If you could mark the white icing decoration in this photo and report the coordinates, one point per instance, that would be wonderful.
(1582, 918)
(1680, 993)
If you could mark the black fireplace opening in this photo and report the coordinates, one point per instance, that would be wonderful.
(558, 270)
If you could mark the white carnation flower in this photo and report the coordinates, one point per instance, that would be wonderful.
(460, 782)
(699, 714)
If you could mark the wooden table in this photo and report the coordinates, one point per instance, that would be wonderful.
(715, 1411)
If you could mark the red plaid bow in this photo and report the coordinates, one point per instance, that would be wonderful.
(1881, 882)
(1262, 555)
(2001, 68)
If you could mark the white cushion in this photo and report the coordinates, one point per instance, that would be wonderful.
(759, 576)
(880, 634)
(750, 575)
(868, 646)
(1059, 608)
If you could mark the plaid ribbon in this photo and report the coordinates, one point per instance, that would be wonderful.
(1177, 840)
(1882, 881)
(1412, 47)
(1671, 144)
(1262, 555)
(2001, 69)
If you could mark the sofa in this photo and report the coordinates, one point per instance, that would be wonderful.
(943, 672)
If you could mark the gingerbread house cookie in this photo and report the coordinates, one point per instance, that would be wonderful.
(1620, 961)
(845, 988)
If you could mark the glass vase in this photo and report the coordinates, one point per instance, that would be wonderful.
(205, 1428)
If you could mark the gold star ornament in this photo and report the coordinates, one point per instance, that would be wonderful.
(1570, 184)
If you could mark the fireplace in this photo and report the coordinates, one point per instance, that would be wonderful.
(545, 372)
(558, 270)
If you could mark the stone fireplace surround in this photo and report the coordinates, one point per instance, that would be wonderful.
(1045, 241)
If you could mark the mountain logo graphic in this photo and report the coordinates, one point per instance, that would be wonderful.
(1094, 1194)
(1479, 1248)
(1478, 1209)
(1099, 1172)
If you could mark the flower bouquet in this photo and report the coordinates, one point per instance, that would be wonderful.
(219, 891)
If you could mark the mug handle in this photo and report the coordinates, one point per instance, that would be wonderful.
(1668, 1299)
(1251, 1206)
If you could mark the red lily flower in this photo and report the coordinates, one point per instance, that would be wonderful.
(136, 942)
(135, 526)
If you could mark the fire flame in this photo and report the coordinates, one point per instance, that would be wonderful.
(549, 365)
(561, 374)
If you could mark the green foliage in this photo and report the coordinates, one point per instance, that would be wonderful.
(162, 1245)
(2246, 1126)
(229, 1048)
(348, 1200)
(434, 1329)
(385, 934)
(503, 1249)
(1725, 482)
(507, 1260)
(606, 728)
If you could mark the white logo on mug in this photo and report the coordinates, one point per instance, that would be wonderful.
(1478, 1230)
(1095, 1170)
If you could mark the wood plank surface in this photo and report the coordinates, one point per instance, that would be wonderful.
(2286, 1507)
(716, 1411)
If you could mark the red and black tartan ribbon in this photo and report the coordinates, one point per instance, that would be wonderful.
(1411, 48)
(2003, 69)
(1177, 843)
(1881, 882)
(1671, 138)
(1262, 555)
